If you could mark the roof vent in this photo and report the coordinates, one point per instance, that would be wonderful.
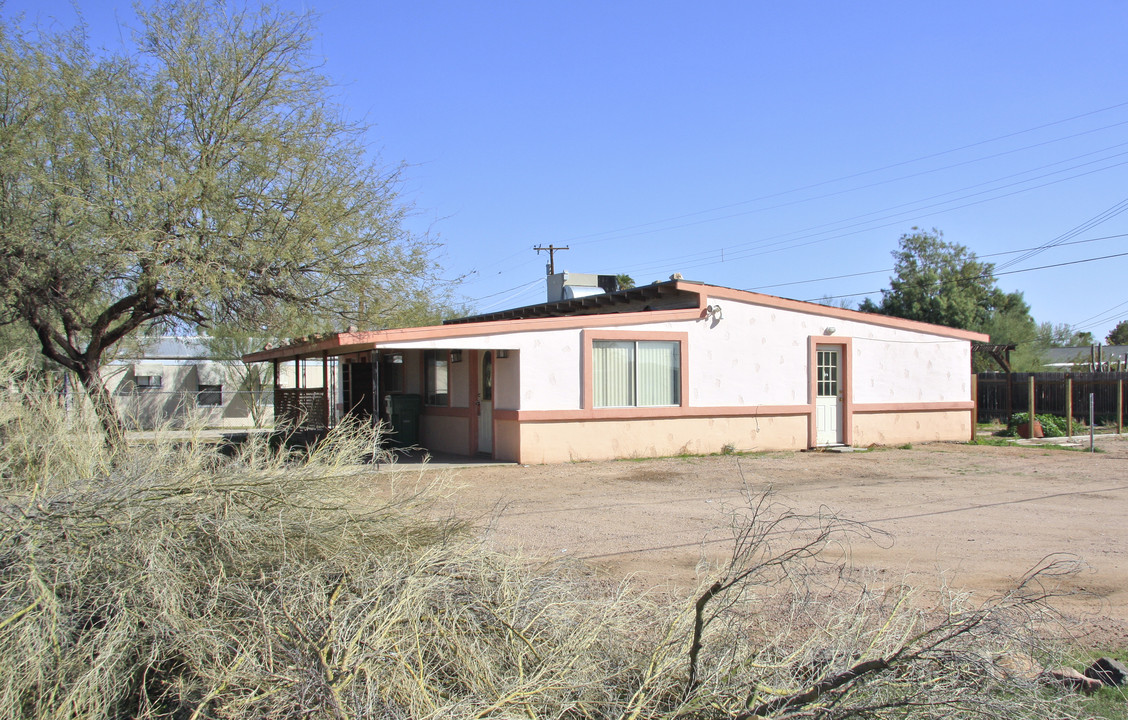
(566, 285)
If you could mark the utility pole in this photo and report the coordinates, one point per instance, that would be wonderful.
(551, 250)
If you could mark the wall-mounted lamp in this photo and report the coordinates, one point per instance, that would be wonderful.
(715, 312)
(455, 356)
(829, 331)
(502, 353)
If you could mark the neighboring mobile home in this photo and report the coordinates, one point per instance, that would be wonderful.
(673, 367)
(174, 381)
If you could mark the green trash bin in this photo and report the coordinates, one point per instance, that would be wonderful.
(403, 416)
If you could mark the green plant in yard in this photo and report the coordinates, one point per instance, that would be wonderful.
(1052, 425)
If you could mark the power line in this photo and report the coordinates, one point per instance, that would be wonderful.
(985, 276)
(782, 241)
(590, 236)
(876, 272)
(1101, 217)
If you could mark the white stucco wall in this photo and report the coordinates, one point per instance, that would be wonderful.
(758, 355)
(752, 356)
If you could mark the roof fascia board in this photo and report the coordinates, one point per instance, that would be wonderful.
(840, 313)
(343, 343)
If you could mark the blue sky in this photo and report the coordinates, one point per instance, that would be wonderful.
(748, 144)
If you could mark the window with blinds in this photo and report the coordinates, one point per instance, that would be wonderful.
(642, 373)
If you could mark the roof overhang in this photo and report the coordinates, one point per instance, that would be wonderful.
(676, 300)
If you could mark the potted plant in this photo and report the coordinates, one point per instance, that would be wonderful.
(1030, 429)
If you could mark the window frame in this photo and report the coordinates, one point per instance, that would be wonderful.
(201, 389)
(436, 356)
(392, 373)
(590, 337)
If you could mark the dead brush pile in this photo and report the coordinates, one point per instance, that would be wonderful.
(172, 582)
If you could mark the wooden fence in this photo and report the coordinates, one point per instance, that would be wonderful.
(995, 399)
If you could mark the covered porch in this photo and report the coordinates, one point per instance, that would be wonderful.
(439, 395)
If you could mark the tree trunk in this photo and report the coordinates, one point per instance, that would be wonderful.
(103, 403)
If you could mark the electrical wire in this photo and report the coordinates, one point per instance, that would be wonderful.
(835, 229)
(985, 276)
(584, 238)
(877, 272)
(786, 241)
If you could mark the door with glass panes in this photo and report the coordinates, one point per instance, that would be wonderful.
(828, 396)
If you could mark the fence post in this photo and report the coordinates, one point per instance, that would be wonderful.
(1120, 406)
(1030, 401)
(1092, 423)
(1069, 405)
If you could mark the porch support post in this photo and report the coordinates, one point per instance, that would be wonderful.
(325, 383)
(277, 388)
(298, 372)
(374, 358)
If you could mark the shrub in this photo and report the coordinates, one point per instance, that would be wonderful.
(170, 582)
(1052, 425)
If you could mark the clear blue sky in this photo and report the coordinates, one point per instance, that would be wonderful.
(745, 144)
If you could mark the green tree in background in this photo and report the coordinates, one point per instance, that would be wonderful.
(1119, 334)
(1062, 335)
(205, 178)
(944, 283)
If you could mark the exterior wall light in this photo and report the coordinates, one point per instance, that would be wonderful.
(829, 331)
(455, 356)
(502, 353)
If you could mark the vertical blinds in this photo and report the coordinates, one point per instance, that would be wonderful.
(644, 373)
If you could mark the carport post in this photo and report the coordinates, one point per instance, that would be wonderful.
(374, 360)
(325, 383)
(277, 384)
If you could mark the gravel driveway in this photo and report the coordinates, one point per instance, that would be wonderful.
(977, 517)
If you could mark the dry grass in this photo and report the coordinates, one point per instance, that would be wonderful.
(174, 582)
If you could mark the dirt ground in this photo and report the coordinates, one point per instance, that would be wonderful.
(976, 517)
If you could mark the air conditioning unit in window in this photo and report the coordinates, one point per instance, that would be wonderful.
(147, 381)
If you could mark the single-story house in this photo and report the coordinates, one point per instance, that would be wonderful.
(668, 368)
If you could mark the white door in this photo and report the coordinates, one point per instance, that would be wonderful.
(828, 397)
(485, 404)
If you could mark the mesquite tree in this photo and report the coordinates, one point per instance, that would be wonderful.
(203, 176)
